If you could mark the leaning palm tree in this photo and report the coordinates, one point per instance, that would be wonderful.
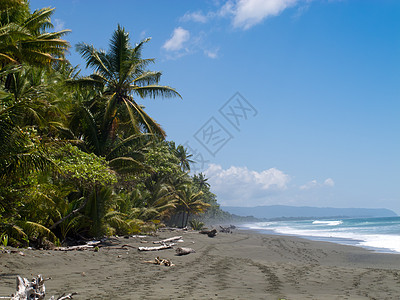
(121, 76)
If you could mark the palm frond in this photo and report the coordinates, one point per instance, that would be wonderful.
(152, 126)
(154, 91)
(125, 165)
(119, 49)
(148, 78)
(134, 139)
(32, 228)
(137, 50)
(85, 82)
(94, 58)
(39, 20)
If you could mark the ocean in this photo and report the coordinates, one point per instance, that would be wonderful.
(378, 234)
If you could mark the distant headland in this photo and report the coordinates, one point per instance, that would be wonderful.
(284, 211)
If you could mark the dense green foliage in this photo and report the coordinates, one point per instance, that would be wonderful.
(79, 156)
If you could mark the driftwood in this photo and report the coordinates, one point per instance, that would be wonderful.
(227, 229)
(173, 239)
(161, 262)
(33, 290)
(184, 251)
(64, 296)
(162, 247)
(123, 247)
(12, 251)
(79, 247)
(173, 229)
(30, 289)
(210, 233)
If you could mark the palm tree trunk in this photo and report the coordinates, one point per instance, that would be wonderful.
(187, 218)
(183, 218)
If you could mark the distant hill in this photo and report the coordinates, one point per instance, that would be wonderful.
(283, 211)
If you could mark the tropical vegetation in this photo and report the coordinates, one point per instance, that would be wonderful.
(79, 155)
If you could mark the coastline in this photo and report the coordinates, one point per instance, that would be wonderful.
(330, 239)
(379, 234)
(241, 265)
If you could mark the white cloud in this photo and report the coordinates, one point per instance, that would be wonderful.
(314, 184)
(196, 16)
(329, 182)
(211, 53)
(247, 13)
(239, 185)
(59, 25)
(309, 185)
(177, 40)
(227, 9)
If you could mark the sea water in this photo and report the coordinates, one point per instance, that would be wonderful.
(379, 234)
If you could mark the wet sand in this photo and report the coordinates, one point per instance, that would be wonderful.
(241, 265)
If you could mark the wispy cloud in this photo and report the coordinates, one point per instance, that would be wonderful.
(329, 182)
(247, 13)
(211, 53)
(242, 14)
(315, 184)
(177, 40)
(59, 25)
(196, 16)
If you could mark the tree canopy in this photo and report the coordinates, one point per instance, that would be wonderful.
(80, 156)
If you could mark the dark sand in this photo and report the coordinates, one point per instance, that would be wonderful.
(242, 265)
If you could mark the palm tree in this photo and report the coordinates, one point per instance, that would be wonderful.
(184, 158)
(201, 181)
(24, 37)
(20, 151)
(191, 203)
(156, 202)
(120, 74)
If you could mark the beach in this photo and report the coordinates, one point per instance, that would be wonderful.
(238, 265)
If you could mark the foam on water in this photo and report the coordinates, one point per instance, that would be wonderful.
(382, 234)
(329, 223)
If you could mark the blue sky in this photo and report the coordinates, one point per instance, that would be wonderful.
(318, 108)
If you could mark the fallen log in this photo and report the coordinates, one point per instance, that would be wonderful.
(162, 247)
(210, 233)
(184, 251)
(173, 239)
(79, 247)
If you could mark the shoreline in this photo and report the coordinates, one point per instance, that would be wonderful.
(334, 240)
(360, 232)
(241, 265)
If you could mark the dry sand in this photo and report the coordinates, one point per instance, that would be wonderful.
(242, 265)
